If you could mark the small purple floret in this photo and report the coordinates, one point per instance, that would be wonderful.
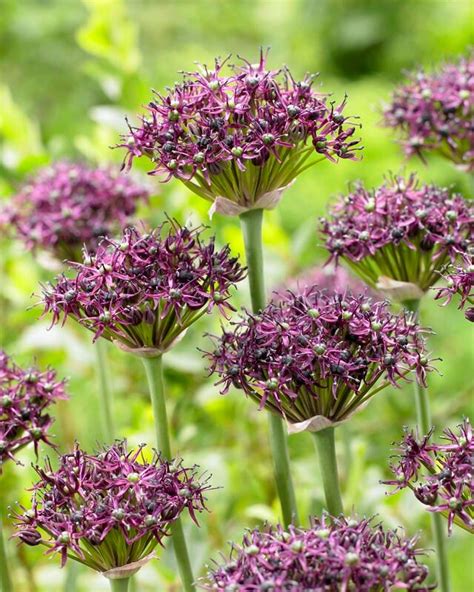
(25, 396)
(460, 280)
(110, 509)
(333, 555)
(441, 475)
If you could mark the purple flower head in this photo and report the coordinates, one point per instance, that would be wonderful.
(67, 206)
(334, 555)
(109, 510)
(316, 358)
(25, 396)
(400, 235)
(237, 135)
(329, 277)
(144, 290)
(434, 113)
(440, 474)
(460, 280)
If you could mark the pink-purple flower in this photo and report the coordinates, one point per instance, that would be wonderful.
(317, 357)
(25, 396)
(460, 281)
(68, 206)
(109, 510)
(401, 233)
(441, 474)
(144, 290)
(334, 555)
(239, 134)
(434, 112)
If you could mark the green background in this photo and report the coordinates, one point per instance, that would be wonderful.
(69, 73)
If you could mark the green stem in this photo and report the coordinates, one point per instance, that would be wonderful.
(251, 223)
(105, 391)
(154, 374)
(5, 578)
(424, 424)
(326, 448)
(119, 585)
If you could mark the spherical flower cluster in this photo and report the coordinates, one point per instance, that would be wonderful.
(25, 396)
(399, 235)
(68, 206)
(316, 358)
(143, 290)
(328, 277)
(110, 510)
(333, 555)
(440, 474)
(238, 138)
(434, 112)
(460, 280)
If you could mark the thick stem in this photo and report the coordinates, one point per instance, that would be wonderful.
(424, 425)
(5, 578)
(154, 374)
(326, 448)
(119, 585)
(251, 223)
(105, 391)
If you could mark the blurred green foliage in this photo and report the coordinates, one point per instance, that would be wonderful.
(70, 72)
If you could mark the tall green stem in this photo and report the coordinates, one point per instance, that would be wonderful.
(424, 423)
(251, 223)
(154, 374)
(326, 448)
(119, 585)
(5, 578)
(105, 391)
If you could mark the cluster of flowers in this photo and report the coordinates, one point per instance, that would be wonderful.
(25, 396)
(318, 354)
(401, 230)
(447, 486)
(332, 555)
(434, 112)
(460, 280)
(108, 510)
(68, 206)
(143, 290)
(212, 127)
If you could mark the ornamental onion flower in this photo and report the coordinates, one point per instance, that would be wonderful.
(239, 138)
(25, 395)
(332, 555)
(144, 290)
(316, 358)
(440, 474)
(434, 112)
(399, 236)
(460, 280)
(68, 206)
(109, 511)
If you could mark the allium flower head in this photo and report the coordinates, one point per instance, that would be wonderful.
(399, 235)
(68, 206)
(316, 358)
(328, 277)
(25, 396)
(334, 555)
(238, 135)
(460, 280)
(144, 290)
(109, 511)
(434, 112)
(440, 474)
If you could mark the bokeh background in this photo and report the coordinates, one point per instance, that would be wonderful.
(70, 71)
